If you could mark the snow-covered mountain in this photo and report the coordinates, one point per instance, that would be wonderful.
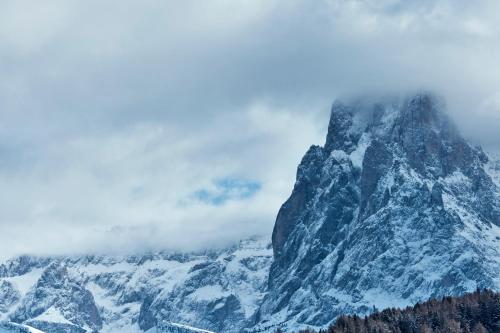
(162, 292)
(170, 327)
(395, 208)
(8, 327)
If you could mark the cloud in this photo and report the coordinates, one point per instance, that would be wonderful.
(153, 186)
(113, 118)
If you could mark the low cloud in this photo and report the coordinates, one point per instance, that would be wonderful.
(160, 124)
(153, 186)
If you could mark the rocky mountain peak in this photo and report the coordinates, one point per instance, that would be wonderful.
(397, 205)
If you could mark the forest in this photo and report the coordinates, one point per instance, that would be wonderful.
(477, 312)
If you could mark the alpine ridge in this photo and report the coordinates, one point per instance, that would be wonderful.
(395, 208)
(216, 290)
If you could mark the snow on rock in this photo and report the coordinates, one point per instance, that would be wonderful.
(493, 168)
(8, 327)
(24, 282)
(358, 154)
(220, 293)
(170, 327)
(125, 294)
(414, 215)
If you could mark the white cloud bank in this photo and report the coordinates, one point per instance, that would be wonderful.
(113, 115)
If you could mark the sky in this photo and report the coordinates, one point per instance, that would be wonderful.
(130, 126)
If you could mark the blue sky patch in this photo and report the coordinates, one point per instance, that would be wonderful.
(226, 189)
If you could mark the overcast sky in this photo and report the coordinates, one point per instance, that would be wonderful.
(139, 125)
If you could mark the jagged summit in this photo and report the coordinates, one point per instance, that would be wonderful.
(416, 127)
(395, 208)
(418, 124)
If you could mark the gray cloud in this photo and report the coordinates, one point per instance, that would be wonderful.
(113, 114)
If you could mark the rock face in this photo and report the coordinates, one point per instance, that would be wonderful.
(395, 208)
(56, 291)
(161, 292)
(218, 294)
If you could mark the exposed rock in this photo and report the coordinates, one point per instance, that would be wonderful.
(57, 291)
(212, 290)
(396, 208)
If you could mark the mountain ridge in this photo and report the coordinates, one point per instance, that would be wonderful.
(126, 293)
(395, 208)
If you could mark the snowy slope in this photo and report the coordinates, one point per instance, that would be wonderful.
(132, 293)
(170, 327)
(8, 327)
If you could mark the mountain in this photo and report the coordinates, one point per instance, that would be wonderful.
(8, 327)
(396, 207)
(159, 293)
(169, 327)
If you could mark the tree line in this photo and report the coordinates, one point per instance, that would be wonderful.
(477, 312)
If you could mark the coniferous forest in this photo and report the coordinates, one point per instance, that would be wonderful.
(477, 312)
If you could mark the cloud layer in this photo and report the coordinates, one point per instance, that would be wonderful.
(122, 121)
